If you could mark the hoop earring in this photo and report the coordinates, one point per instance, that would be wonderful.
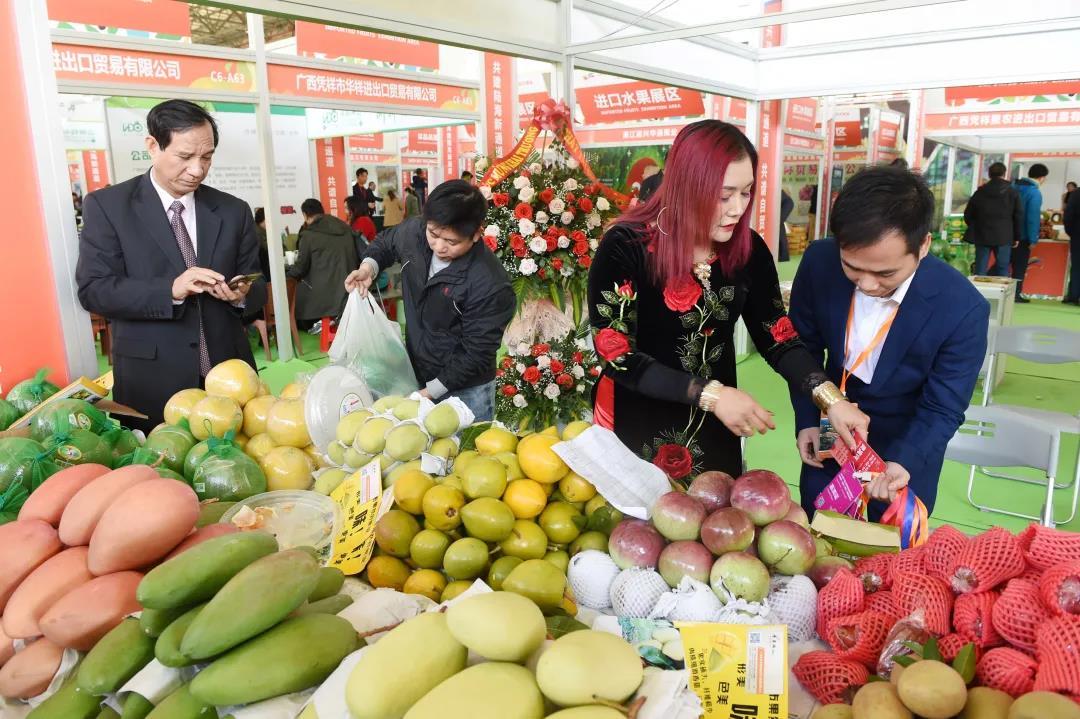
(658, 216)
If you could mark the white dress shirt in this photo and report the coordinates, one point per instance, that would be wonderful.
(870, 314)
(188, 215)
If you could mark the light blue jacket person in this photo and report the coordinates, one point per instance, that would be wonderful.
(1031, 203)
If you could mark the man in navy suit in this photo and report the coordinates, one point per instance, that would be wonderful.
(905, 330)
(157, 257)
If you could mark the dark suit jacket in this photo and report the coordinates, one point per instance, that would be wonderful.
(128, 259)
(924, 378)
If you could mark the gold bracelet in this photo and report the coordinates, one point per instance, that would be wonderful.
(710, 393)
(826, 395)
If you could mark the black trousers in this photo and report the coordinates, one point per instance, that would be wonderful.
(1020, 256)
(1073, 292)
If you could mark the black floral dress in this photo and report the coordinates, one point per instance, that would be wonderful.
(661, 345)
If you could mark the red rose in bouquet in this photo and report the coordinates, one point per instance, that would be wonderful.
(492, 242)
(578, 358)
(499, 374)
(531, 374)
(565, 381)
(581, 248)
(783, 331)
(579, 236)
(500, 199)
(507, 363)
(675, 460)
(552, 243)
(585, 204)
(682, 293)
(547, 195)
(557, 366)
(523, 211)
(611, 345)
(557, 264)
(585, 262)
(509, 390)
(568, 197)
(541, 348)
(542, 274)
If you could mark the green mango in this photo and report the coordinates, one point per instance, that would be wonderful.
(136, 706)
(197, 574)
(331, 580)
(297, 654)
(117, 657)
(181, 704)
(211, 512)
(108, 713)
(154, 621)
(258, 597)
(167, 649)
(329, 605)
(69, 702)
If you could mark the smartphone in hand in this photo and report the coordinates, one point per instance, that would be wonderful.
(235, 282)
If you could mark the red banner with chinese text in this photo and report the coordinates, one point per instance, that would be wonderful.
(450, 151)
(499, 108)
(95, 169)
(801, 114)
(768, 192)
(333, 187)
(366, 141)
(159, 16)
(332, 84)
(637, 100)
(335, 42)
(425, 140)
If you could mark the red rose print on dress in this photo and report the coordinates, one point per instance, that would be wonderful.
(675, 460)
(682, 293)
(611, 345)
(783, 331)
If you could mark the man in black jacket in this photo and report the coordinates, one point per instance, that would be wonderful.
(458, 298)
(158, 257)
(1072, 229)
(993, 216)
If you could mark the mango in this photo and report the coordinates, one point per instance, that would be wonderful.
(328, 605)
(479, 623)
(70, 702)
(136, 706)
(399, 471)
(488, 519)
(465, 559)
(354, 459)
(329, 480)
(588, 712)
(493, 690)
(1043, 705)
(108, 713)
(402, 667)
(455, 589)
(500, 570)
(331, 579)
(119, 656)
(526, 541)
(409, 490)
(167, 648)
(153, 622)
(406, 409)
(395, 531)
(426, 582)
(484, 477)
(878, 700)
(371, 438)
(538, 461)
(442, 507)
(540, 581)
(513, 467)
(182, 705)
(442, 422)
(933, 690)
(406, 442)
(495, 440)
(197, 574)
(384, 571)
(445, 447)
(336, 452)
(349, 425)
(387, 403)
(297, 654)
(833, 711)
(584, 666)
(986, 703)
(258, 597)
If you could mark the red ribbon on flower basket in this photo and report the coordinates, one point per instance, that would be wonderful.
(906, 511)
(553, 117)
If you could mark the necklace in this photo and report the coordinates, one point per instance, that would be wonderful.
(703, 270)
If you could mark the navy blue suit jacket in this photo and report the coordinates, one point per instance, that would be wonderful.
(924, 378)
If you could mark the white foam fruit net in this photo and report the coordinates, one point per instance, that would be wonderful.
(794, 601)
(590, 575)
(635, 592)
(691, 601)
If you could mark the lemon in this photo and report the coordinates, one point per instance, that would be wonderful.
(526, 498)
(576, 488)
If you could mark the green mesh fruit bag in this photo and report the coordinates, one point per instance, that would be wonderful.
(31, 392)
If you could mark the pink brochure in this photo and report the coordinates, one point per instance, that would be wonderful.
(842, 493)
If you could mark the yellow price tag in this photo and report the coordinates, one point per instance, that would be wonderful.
(739, 671)
(359, 497)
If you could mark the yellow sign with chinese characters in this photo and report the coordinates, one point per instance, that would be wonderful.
(739, 671)
(359, 497)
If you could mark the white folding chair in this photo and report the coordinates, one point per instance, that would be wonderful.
(1043, 345)
(998, 436)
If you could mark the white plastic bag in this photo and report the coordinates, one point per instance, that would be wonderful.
(371, 344)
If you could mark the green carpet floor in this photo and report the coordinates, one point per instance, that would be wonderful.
(1053, 387)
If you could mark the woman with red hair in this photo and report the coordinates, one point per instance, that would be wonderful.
(669, 280)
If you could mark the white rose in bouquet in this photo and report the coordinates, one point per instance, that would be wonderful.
(552, 391)
(572, 163)
(543, 361)
(564, 242)
(593, 221)
(521, 182)
(481, 164)
(567, 270)
(581, 388)
(542, 218)
(522, 349)
(578, 371)
(520, 367)
(526, 194)
(556, 206)
(528, 266)
(570, 185)
(593, 244)
(519, 401)
(602, 204)
(567, 217)
(538, 245)
(526, 227)
(485, 191)
(536, 167)
(491, 231)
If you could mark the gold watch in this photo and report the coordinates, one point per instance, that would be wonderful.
(826, 395)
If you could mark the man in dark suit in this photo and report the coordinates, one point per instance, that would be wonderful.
(161, 256)
(905, 330)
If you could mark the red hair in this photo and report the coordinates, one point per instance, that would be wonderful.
(692, 186)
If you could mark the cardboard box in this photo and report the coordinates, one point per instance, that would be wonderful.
(854, 539)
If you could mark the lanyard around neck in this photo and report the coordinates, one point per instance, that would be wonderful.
(877, 339)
